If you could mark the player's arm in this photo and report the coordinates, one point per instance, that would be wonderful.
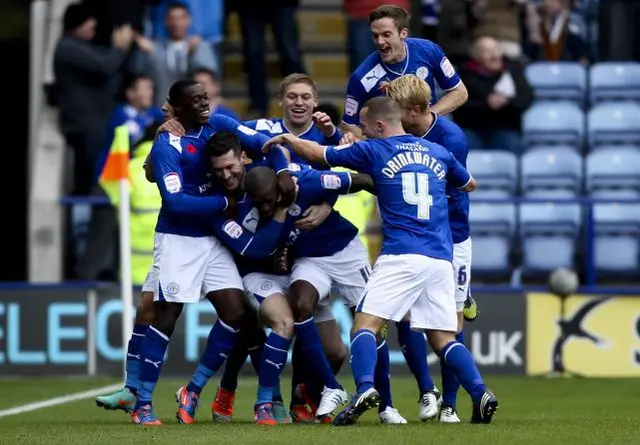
(456, 93)
(259, 245)
(458, 176)
(356, 97)
(309, 150)
(165, 161)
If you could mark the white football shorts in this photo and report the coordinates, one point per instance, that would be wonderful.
(418, 284)
(462, 271)
(260, 286)
(151, 280)
(189, 268)
(346, 272)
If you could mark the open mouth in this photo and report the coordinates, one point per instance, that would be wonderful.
(385, 51)
(299, 112)
(205, 113)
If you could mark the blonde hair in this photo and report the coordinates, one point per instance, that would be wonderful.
(409, 91)
(294, 78)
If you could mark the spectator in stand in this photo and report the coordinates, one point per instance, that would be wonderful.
(172, 58)
(254, 16)
(498, 96)
(212, 85)
(207, 20)
(359, 41)
(87, 81)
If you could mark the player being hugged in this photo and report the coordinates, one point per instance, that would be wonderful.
(414, 272)
(396, 55)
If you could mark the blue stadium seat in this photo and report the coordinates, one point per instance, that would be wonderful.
(558, 81)
(551, 168)
(614, 81)
(549, 234)
(613, 169)
(494, 169)
(492, 229)
(614, 123)
(616, 229)
(549, 123)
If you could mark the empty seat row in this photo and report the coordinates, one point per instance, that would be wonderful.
(615, 123)
(501, 173)
(604, 81)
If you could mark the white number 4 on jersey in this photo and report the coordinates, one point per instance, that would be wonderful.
(415, 191)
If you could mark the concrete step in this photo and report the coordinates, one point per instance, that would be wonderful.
(315, 26)
(324, 68)
(240, 104)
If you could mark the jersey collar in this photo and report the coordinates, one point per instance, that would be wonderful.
(433, 124)
(406, 63)
(301, 134)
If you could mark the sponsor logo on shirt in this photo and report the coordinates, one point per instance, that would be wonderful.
(331, 182)
(447, 68)
(172, 182)
(350, 106)
(232, 229)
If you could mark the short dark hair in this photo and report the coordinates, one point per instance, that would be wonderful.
(221, 142)
(130, 81)
(399, 16)
(383, 107)
(177, 90)
(260, 179)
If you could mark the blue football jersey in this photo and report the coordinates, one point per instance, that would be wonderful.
(181, 170)
(410, 176)
(424, 58)
(450, 136)
(275, 127)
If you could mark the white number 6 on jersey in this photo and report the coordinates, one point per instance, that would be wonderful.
(415, 191)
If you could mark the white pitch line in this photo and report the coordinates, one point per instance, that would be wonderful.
(58, 400)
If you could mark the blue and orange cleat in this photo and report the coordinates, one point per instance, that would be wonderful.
(144, 416)
(264, 414)
(187, 406)
(122, 399)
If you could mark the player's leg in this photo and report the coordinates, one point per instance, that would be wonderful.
(435, 312)
(125, 398)
(223, 288)
(462, 274)
(394, 285)
(181, 263)
(308, 284)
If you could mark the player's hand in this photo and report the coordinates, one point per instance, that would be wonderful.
(173, 127)
(348, 138)
(277, 140)
(287, 189)
(281, 261)
(323, 122)
(496, 101)
(280, 215)
(314, 216)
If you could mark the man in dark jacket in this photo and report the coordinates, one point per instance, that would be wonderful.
(498, 96)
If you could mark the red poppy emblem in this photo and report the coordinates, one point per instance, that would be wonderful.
(191, 149)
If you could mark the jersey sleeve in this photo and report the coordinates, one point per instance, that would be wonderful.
(251, 141)
(324, 185)
(443, 71)
(355, 156)
(356, 97)
(259, 245)
(165, 162)
(334, 139)
(457, 175)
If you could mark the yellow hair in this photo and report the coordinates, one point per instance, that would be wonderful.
(409, 91)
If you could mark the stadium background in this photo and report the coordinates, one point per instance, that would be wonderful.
(70, 327)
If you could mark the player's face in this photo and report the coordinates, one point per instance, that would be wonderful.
(211, 87)
(228, 170)
(195, 105)
(141, 95)
(266, 202)
(388, 40)
(370, 127)
(298, 103)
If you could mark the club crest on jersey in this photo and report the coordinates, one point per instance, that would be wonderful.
(232, 229)
(293, 167)
(295, 210)
(422, 72)
(331, 182)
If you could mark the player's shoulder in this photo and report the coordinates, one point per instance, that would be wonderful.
(452, 129)
(371, 61)
(167, 141)
(264, 125)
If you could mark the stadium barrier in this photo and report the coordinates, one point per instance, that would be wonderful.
(76, 330)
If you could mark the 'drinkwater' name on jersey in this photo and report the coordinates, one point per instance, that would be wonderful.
(416, 155)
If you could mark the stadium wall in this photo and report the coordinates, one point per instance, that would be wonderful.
(76, 330)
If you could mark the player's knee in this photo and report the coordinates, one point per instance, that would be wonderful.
(230, 306)
(165, 316)
(439, 339)
(144, 310)
(283, 326)
(303, 299)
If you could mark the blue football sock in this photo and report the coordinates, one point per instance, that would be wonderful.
(255, 355)
(220, 343)
(274, 359)
(382, 376)
(414, 349)
(461, 362)
(133, 357)
(153, 350)
(450, 383)
(311, 347)
(363, 358)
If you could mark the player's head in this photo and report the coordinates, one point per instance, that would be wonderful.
(381, 117)
(225, 153)
(262, 186)
(298, 98)
(488, 53)
(413, 95)
(389, 26)
(190, 102)
(210, 80)
(138, 91)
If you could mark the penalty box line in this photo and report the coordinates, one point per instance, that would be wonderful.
(58, 400)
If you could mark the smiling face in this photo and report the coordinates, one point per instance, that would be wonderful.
(298, 102)
(229, 170)
(389, 40)
(194, 106)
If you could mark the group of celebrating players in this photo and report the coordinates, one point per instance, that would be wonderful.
(247, 223)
